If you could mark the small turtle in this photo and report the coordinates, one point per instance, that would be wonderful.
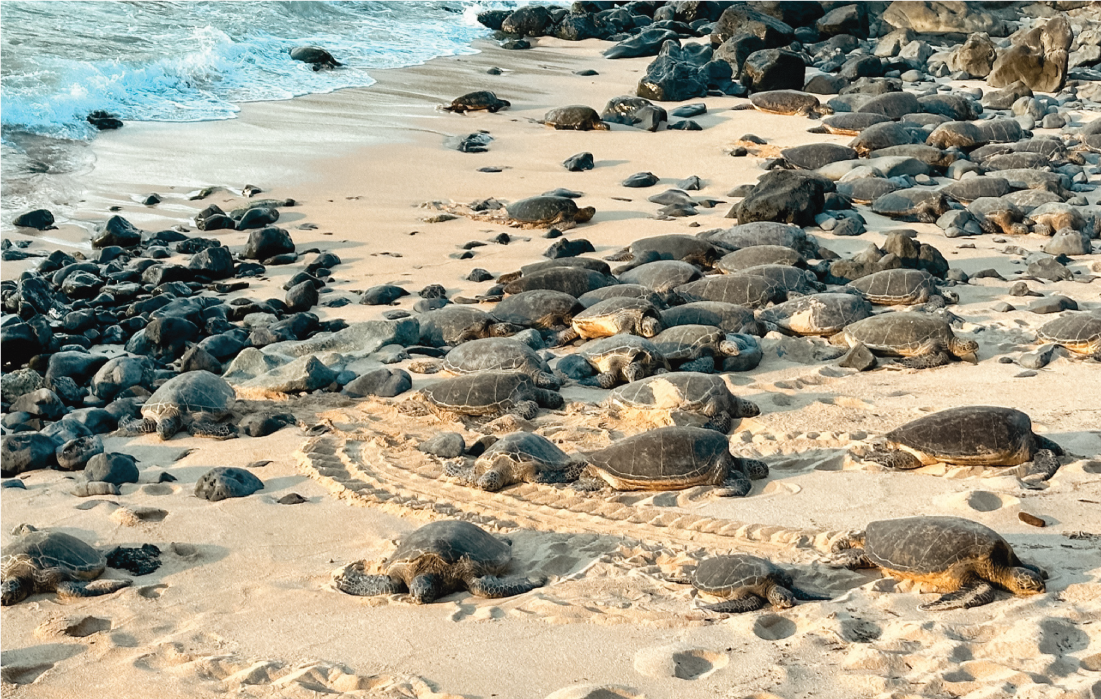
(687, 248)
(671, 458)
(616, 315)
(898, 287)
(695, 347)
(957, 556)
(545, 212)
(539, 308)
(788, 102)
(438, 559)
(974, 435)
(923, 205)
(685, 392)
(575, 117)
(728, 317)
(1079, 332)
(817, 314)
(619, 358)
(852, 123)
(741, 289)
(318, 57)
(477, 101)
(518, 457)
(491, 354)
(196, 400)
(487, 393)
(925, 339)
(759, 255)
(41, 561)
(634, 291)
(455, 324)
(574, 281)
(745, 584)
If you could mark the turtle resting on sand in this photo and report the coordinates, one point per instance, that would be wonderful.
(706, 395)
(491, 354)
(957, 556)
(818, 314)
(440, 558)
(925, 339)
(897, 287)
(518, 457)
(671, 458)
(196, 400)
(695, 347)
(976, 435)
(745, 584)
(1078, 332)
(42, 561)
(622, 357)
(477, 101)
(575, 117)
(316, 56)
(620, 314)
(788, 102)
(544, 212)
(486, 393)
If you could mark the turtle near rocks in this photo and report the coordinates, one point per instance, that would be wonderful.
(815, 315)
(455, 324)
(621, 358)
(544, 212)
(438, 559)
(741, 289)
(926, 340)
(487, 393)
(759, 255)
(574, 281)
(620, 314)
(957, 556)
(852, 123)
(788, 102)
(196, 400)
(687, 248)
(634, 291)
(671, 458)
(482, 100)
(922, 205)
(898, 287)
(544, 309)
(974, 435)
(316, 56)
(746, 583)
(662, 276)
(518, 457)
(575, 117)
(684, 395)
(491, 354)
(1079, 332)
(728, 317)
(44, 561)
(698, 348)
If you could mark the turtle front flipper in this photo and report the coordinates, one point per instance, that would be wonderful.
(352, 580)
(755, 469)
(736, 485)
(703, 365)
(15, 590)
(925, 361)
(425, 366)
(135, 427)
(635, 371)
(896, 459)
(853, 559)
(213, 430)
(492, 587)
(460, 471)
(72, 589)
(605, 380)
(804, 596)
(973, 593)
(1043, 466)
(546, 398)
(1045, 443)
(720, 422)
(566, 336)
(737, 606)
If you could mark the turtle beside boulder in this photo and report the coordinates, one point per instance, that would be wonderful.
(316, 56)
(678, 395)
(746, 583)
(575, 117)
(620, 314)
(925, 340)
(491, 354)
(544, 212)
(482, 100)
(518, 457)
(1078, 332)
(621, 358)
(487, 393)
(197, 400)
(895, 287)
(43, 561)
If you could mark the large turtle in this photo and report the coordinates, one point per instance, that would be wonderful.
(545, 212)
(685, 393)
(923, 205)
(1079, 332)
(745, 584)
(518, 457)
(634, 291)
(41, 561)
(545, 309)
(740, 289)
(895, 287)
(575, 117)
(791, 279)
(440, 558)
(998, 215)
(196, 400)
(620, 314)
(746, 235)
(491, 354)
(455, 324)
(661, 275)
(728, 317)
(477, 101)
(817, 314)
(687, 248)
(957, 556)
(316, 56)
(759, 255)
(574, 281)
(852, 123)
(925, 339)
(788, 102)
(977, 435)
(619, 358)
(866, 190)
(695, 347)
(488, 393)
(586, 262)
(671, 458)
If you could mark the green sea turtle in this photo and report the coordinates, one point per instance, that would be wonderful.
(746, 235)
(687, 248)
(973, 435)
(923, 205)
(671, 458)
(852, 123)
(316, 56)
(518, 457)
(675, 395)
(661, 275)
(924, 339)
(196, 400)
(574, 281)
(491, 354)
(790, 279)
(742, 289)
(575, 117)
(866, 189)
(1079, 332)
(455, 324)
(620, 358)
(812, 156)
(634, 291)
(957, 556)
(586, 262)
(817, 314)
(487, 393)
(739, 260)
(545, 212)
(728, 317)
(898, 287)
(620, 314)
(440, 558)
(545, 309)
(477, 101)
(41, 561)
(699, 348)
(745, 584)
(998, 215)
(788, 102)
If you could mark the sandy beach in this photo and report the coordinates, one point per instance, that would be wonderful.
(243, 604)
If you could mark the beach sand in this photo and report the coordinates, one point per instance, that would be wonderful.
(243, 605)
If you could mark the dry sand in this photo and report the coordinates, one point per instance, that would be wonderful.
(242, 605)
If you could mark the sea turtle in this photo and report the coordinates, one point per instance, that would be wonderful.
(671, 458)
(574, 281)
(318, 57)
(865, 190)
(586, 262)
(575, 117)
(903, 287)
(790, 279)
(491, 354)
(545, 309)
(440, 558)
(477, 101)
(925, 339)
(742, 289)
(616, 315)
(634, 291)
(455, 324)
(759, 255)
(687, 248)
(620, 358)
(746, 235)
(923, 205)
(852, 123)
(998, 215)
(886, 135)
(1079, 332)
(42, 561)
(812, 156)
(695, 347)
(728, 317)
(957, 556)
(196, 400)
(662, 275)
(684, 393)
(973, 435)
(487, 393)
(788, 102)
(972, 188)
(518, 457)
(745, 584)
(817, 314)
(545, 212)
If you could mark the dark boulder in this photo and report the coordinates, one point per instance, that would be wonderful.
(117, 231)
(786, 196)
(267, 242)
(111, 467)
(227, 482)
(40, 219)
(742, 19)
(648, 42)
(212, 263)
(25, 451)
(773, 69)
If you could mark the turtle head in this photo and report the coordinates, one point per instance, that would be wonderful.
(1025, 581)
(950, 296)
(966, 349)
(649, 326)
(781, 597)
(747, 408)
(491, 481)
(14, 591)
(730, 348)
(425, 588)
(169, 424)
(584, 214)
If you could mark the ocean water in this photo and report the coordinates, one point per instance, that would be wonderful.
(185, 61)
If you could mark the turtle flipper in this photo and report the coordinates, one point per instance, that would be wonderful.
(1045, 443)
(804, 596)
(504, 329)
(14, 591)
(753, 468)
(634, 371)
(925, 361)
(853, 559)
(425, 366)
(604, 380)
(135, 427)
(526, 409)
(624, 255)
(720, 422)
(737, 606)
(704, 365)
(896, 459)
(460, 471)
(973, 594)
(71, 589)
(736, 485)
(1043, 466)
(353, 581)
(492, 587)
(213, 430)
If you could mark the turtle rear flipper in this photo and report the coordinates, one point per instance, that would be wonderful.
(76, 588)
(737, 606)
(736, 485)
(720, 422)
(460, 471)
(213, 430)
(703, 365)
(974, 593)
(492, 587)
(896, 459)
(925, 361)
(353, 581)
(1043, 466)
(753, 468)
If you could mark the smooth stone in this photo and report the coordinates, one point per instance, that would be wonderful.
(385, 382)
(445, 445)
(222, 483)
(111, 467)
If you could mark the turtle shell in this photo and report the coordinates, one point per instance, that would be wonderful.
(35, 553)
(899, 333)
(538, 308)
(893, 105)
(452, 325)
(681, 390)
(726, 576)
(784, 101)
(886, 135)
(1079, 332)
(482, 393)
(747, 235)
(967, 191)
(817, 314)
(666, 457)
(897, 286)
(494, 354)
(661, 276)
(474, 101)
(852, 123)
(979, 435)
(866, 189)
(525, 446)
(195, 393)
(688, 248)
(634, 291)
(575, 117)
(742, 289)
(728, 317)
(574, 281)
(545, 210)
(453, 542)
(759, 255)
(688, 342)
(586, 262)
(919, 546)
(815, 155)
(786, 276)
